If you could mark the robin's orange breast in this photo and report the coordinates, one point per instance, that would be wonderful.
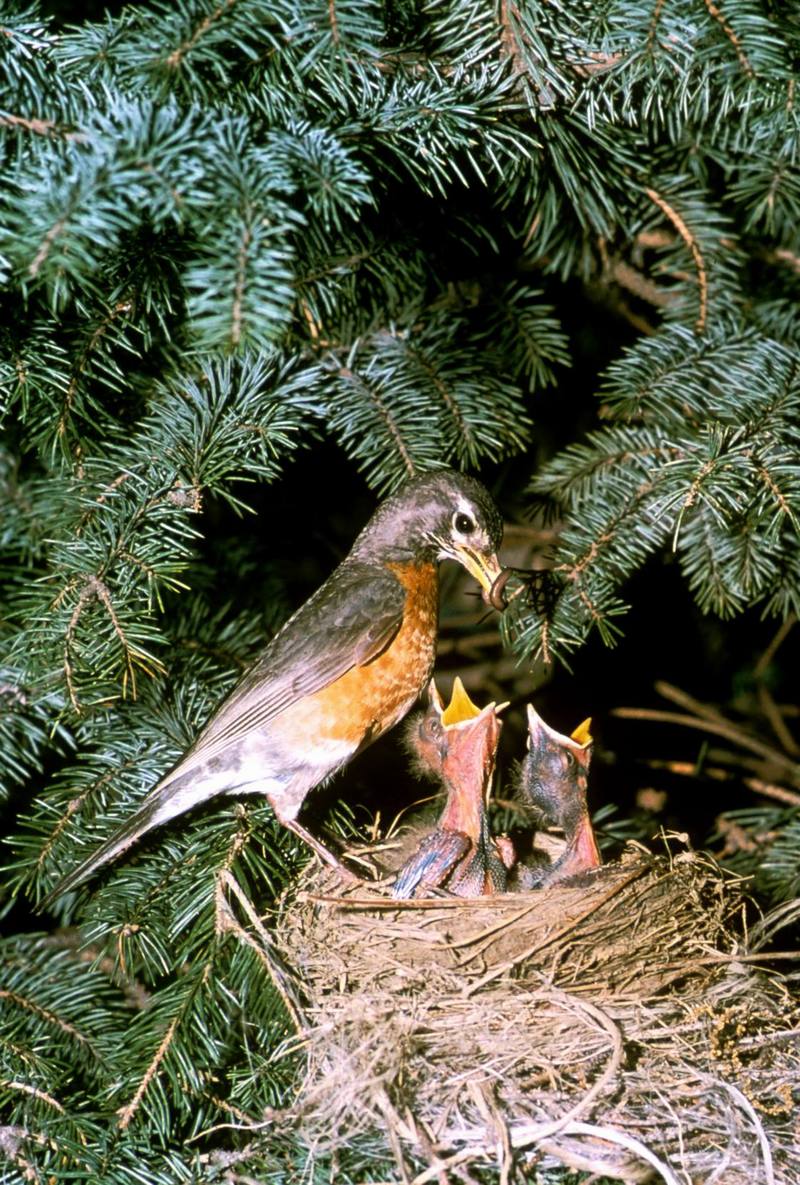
(367, 700)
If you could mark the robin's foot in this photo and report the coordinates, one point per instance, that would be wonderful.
(348, 877)
(325, 854)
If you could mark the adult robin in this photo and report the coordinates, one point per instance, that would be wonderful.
(458, 745)
(554, 778)
(346, 667)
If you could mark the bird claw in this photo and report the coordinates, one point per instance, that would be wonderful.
(349, 877)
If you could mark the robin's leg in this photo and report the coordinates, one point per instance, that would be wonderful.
(320, 849)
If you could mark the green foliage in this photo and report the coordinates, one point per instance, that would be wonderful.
(702, 455)
(234, 230)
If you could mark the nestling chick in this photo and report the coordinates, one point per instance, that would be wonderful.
(554, 777)
(457, 745)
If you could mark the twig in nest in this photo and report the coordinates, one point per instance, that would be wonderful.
(762, 957)
(749, 1110)
(612, 1136)
(489, 931)
(441, 1166)
(391, 1117)
(584, 1105)
(524, 1135)
(486, 1104)
(509, 900)
(425, 1141)
(502, 968)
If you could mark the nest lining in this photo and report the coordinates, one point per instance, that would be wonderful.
(615, 1026)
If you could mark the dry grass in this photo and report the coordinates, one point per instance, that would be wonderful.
(623, 1027)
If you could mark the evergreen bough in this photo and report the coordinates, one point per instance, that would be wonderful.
(233, 229)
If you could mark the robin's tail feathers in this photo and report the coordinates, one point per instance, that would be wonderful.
(163, 803)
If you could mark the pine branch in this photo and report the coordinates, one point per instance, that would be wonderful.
(707, 471)
(236, 229)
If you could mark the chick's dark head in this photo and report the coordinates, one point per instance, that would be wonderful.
(456, 744)
(554, 778)
(555, 772)
(424, 736)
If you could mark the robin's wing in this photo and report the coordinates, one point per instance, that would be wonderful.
(348, 622)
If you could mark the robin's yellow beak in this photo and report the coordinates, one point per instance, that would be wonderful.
(484, 567)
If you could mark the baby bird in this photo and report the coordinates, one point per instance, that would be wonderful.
(554, 777)
(457, 745)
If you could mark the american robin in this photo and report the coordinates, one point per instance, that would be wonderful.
(554, 777)
(345, 668)
(457, 744)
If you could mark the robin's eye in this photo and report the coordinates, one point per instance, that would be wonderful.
(463, 523)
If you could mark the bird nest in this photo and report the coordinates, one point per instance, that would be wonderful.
(620, 1026)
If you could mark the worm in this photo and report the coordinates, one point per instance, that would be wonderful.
(497, 597)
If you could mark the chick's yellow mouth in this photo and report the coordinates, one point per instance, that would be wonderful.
(461, 707)
(583, 733)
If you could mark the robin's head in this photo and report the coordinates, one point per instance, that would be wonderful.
(439, 515)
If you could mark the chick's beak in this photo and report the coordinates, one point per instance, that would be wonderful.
(472, 746)
(484, 567)
(541, 737)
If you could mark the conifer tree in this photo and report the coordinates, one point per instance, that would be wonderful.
(236, 231)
